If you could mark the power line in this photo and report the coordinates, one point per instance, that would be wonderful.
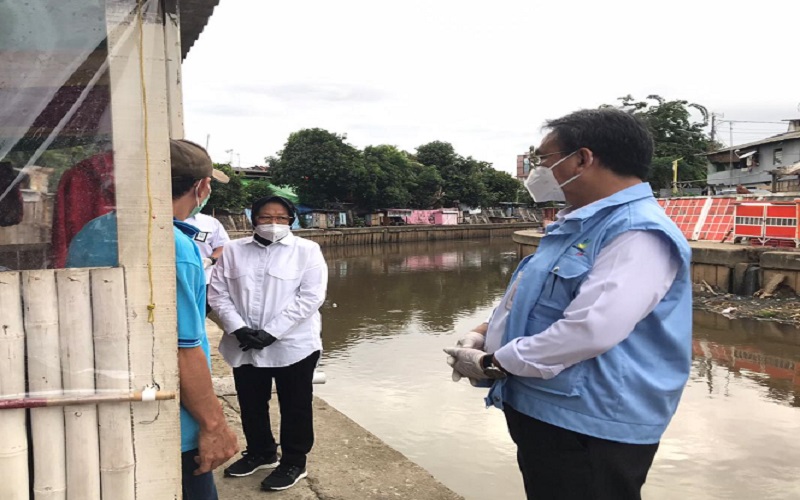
(751, 121)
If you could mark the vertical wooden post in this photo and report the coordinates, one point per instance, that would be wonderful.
(172, 54)
(77, 373)
(112, 374)
(140, 124)
(44, 375)
(14, 442)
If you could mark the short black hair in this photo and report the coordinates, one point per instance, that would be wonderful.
(181, 186)
(272, 199)
(620, 140)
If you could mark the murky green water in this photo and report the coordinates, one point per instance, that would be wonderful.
(391, 310)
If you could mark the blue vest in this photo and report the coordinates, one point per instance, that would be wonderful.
(629, 393)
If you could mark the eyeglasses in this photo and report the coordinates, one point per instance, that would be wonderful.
(269, 219)
(536, 160)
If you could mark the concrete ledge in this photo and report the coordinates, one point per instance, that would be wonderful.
(347, 462)
(722, 254)
(780, 260)
(721, 265)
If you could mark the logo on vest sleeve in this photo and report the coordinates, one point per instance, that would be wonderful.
(580, 248)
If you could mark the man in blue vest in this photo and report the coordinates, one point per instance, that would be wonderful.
(590, 347)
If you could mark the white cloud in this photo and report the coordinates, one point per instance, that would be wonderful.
(483, 76)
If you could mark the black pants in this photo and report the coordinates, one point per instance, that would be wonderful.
(200, 487)
(295, 394)
(558, 464)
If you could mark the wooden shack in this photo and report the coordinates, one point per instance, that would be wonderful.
(88, 353)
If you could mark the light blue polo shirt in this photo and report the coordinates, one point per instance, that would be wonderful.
(96, 246)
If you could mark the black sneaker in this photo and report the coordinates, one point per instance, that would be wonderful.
(283, 478)
(250, 463)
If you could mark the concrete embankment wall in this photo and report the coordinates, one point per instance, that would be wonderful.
(367, 236)
(727, 267)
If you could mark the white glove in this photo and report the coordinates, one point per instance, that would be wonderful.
(207, 262)
(472, 340)
(468, 362)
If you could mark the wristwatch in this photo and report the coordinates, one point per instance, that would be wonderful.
(491, 369)
(213, 260)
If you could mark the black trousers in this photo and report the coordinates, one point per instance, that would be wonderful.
(200, 487)
(559, 464)
(295, 394)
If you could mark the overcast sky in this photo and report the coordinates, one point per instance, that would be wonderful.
(481, 75)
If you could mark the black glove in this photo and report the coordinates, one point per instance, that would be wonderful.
(262, 339)
(246, 337)
(253, 339)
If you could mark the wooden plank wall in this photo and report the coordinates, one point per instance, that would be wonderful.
(65, 332)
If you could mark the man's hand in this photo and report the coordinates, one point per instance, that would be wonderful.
(215, 448)
(472, 340)
(216, 441)
(207, 262)
(468, 362)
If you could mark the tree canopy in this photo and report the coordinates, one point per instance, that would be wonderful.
(677, 135)
(325, 171)
(230, 197)
(321, 167)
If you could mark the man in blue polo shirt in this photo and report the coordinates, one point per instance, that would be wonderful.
(206, 440)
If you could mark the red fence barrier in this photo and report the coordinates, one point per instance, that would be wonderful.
(771, 223)
(707, 218)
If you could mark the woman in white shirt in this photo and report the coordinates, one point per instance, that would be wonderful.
(267, 290)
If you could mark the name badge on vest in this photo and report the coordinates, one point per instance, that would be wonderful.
(201, 236)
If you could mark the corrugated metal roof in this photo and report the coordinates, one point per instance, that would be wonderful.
(194, 16)
(775, 138)
(789, 169)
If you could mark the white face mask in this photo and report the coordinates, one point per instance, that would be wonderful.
(542, 184)
(272, 232)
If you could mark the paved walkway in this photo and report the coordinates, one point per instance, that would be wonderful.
(347, 462)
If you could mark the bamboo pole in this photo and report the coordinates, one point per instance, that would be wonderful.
(14, 442)
(77, 372)
(44, 376)
(117, 464)
(85, 399)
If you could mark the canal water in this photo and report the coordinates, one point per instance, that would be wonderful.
(391, 310)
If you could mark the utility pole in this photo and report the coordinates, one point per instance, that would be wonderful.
(730, 156)
(713, 125)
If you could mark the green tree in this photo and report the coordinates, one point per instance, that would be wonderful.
(500, 186)
(676, 134)
(228, 197)
(321, 167)
(461, 176)
(426, 187)
(389, 178)
(437, 153)
(255, 189)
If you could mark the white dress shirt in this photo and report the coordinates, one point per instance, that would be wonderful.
(629, 278)
(277, 288)
(212, 235)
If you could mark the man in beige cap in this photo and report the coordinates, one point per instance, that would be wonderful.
(206, 440)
